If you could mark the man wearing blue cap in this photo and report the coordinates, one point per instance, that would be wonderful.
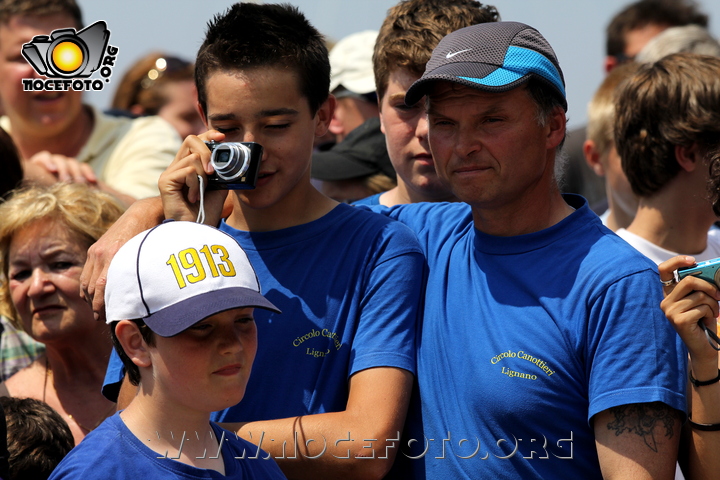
(542, 352)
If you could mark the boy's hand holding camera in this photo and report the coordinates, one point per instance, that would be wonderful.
(180, 187)
(688, 302)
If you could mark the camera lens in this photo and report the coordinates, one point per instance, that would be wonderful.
(230, 160)
(222, 158)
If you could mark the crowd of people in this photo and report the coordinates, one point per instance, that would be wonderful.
(417, 285)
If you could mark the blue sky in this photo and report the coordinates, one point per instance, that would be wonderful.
(575, 29)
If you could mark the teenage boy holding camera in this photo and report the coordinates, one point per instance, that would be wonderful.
(334, 373)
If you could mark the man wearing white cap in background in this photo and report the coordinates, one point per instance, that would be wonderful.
(180, 299)
(358, 165)
(352, 82)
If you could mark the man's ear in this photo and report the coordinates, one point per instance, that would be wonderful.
(130, 338)
(592, 157)
(688, 158)
(324, 115)
(557, 123)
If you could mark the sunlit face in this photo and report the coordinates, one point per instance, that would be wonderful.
(264, 105)
(33, 112)
(489, 147)
(45, 261)
(180, 111)
(406, 136)
(206, 366)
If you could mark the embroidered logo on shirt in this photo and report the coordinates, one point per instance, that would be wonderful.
(320, 335)
(531, 374)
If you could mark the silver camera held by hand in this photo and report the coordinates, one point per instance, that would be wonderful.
(709, 270)
(236, 165)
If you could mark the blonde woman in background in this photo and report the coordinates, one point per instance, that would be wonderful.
(44, 236)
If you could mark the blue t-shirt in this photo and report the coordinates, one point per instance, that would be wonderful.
(371, 200)
(113, 451)
(349, 286)
(524, 339)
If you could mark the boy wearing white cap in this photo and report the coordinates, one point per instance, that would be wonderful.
(180, 298)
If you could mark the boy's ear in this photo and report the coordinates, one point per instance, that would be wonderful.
(324, 116)
(592, 157)
(688, 157)
(202, 114)
(380, 113)
(129, 336)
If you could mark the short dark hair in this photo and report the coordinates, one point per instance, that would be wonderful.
(131, 370)
(37, 438)
(40, 8)
(249, 36)
(675, 101)
(413, 28)
(546, 100)
(673, 13)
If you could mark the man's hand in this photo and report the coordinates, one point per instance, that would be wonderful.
(180, 187)
(142, 215)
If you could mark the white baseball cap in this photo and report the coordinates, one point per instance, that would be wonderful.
(351, 63)
(178, 273)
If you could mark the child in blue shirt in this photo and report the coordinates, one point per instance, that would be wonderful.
(180, 298)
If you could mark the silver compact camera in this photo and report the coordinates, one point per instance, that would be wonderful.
(236, 165)
(709, 270)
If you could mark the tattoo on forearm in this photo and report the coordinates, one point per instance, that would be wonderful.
(641, 419)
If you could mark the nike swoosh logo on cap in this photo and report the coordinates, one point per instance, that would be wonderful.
(450, 55)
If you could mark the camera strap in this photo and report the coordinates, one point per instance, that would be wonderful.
(713, 339)
(201, 212)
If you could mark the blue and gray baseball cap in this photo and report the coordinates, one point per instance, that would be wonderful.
(494, 57)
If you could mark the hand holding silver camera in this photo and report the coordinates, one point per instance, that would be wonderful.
(236, 165)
